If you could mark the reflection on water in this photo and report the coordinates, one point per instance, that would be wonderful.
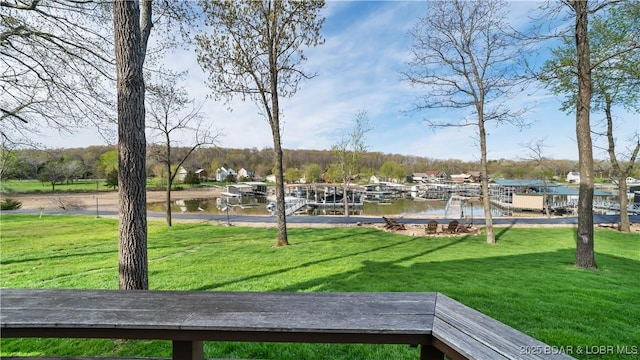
(257, 205)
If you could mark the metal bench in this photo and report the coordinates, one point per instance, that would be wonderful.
(436, 323)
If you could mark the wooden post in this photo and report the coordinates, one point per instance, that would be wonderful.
(188, 350)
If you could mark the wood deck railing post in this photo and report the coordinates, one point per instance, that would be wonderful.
(188, 350)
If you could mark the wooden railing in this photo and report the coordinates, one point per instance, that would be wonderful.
(437, 324)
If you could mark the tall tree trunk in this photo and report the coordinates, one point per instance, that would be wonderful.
(281, 210)
(621, 175)
(585, 257)
(131, 146)
(345, 198)
(169, 180)
(168, 202)
(545, 203)
(625, 226)
(486, 200)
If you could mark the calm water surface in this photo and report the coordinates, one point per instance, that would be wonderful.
(258, 206)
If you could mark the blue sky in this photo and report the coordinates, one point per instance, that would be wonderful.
(366, 46)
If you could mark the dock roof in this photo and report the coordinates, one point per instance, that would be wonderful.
(522, 183)
(552, 188)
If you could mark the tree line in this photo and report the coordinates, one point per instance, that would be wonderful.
(96, 162)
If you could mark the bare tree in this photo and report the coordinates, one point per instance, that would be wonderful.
(464, 56)
(536, 150)
(57, 71)
(348, 153)
(170, 112)
(254, 49)
(57, 64)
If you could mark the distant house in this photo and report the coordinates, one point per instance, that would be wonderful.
(246, 174)
(476, 176)
(471, 177)
(181, 174)
(573, 177)
(437, 176)
(202, 174)
(271, 178)
(374, 179)
(223, 173)
(420, 177)
(432, 176)
(461, 178)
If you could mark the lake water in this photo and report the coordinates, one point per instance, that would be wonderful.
(258, 206)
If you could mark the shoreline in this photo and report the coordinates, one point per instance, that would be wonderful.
(107, 200)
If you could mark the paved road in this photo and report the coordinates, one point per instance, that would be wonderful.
(597, 219)
(302, 219)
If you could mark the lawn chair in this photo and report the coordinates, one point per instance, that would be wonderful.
(396, 225)
(451, 228)
(388, 224)
(465, 227)
(392, 224)
(432, 227)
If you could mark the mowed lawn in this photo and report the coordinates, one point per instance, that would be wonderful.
(527, 280)
(34, 186)
(9, 187)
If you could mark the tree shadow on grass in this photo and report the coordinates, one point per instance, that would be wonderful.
(504, 230)
(336, 235)
(53, 257)
(330, 259)
(541, 294)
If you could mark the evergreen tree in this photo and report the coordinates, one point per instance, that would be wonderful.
(191, 178)
(112, 179)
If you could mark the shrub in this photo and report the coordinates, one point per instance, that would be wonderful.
(10, 204)
(112, 179)
(191, 178)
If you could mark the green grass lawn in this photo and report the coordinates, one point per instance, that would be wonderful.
(527, 280)
(35, 186)
(83, 185)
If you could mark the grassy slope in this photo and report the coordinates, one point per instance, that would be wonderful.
(527, 281)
